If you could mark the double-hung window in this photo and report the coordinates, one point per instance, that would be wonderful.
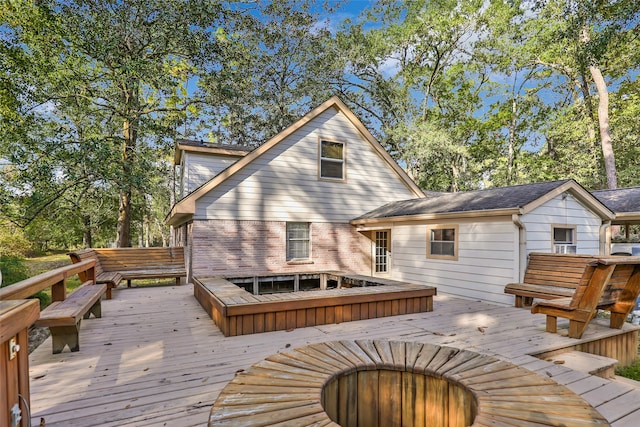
(564, 240)
(298, 241)
(332, 160)
(442, 242)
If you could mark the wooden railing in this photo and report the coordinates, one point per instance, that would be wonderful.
(55, 279)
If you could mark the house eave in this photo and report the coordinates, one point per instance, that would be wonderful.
(180, 213)
(362, 224)
(181, 148)
(626, 217)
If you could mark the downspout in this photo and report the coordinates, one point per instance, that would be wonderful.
(522, 246)
(605, 237)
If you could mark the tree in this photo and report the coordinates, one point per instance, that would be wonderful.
(275, 69)
(125, 65)
(412, 75)
(584, 46)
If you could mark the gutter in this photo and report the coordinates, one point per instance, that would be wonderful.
(605, 237)
(435, 216)
(522, 245)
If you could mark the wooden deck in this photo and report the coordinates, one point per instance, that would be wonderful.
(156, 359)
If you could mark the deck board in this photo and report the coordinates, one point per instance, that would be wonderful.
(155, 358)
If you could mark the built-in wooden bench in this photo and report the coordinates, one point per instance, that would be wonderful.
(116, 264)
(549, 276)
(387, 383)
(64, 315)
(608, 283)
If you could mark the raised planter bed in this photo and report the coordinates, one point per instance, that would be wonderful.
(238, 312)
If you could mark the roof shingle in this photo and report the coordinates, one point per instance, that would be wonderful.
(512, 197)
(621, 199)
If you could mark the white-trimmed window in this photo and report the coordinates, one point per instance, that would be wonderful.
(332, 160)
(564, 240)
(298, 241)
(442, 242)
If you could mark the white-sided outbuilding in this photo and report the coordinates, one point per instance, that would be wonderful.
(471, 244)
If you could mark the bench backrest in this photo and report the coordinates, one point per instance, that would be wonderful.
(56, 279)
(131, 259)
(560, 270)
(85, 254)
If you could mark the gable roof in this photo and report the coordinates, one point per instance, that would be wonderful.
(185, 208)
(625, 202)
(517, 199)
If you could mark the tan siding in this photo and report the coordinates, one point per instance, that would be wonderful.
(569, 212)
(486, 260)
(200, 168)
(282, 184)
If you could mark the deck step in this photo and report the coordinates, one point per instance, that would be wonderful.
(585, 362)
(628, 381)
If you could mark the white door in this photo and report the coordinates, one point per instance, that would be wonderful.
(381, 252)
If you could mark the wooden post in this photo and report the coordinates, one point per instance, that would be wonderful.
(59, 290)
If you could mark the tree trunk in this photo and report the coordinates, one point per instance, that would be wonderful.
(124, 220)
(161, 230)
(605, 131)
(455, 177)
(588, 104)
(86, 232)
(146, 230)
(124, 212)
(512, 142)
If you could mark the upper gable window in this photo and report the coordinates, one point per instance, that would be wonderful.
(332, 160)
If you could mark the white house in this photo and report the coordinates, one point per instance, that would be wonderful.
(324, 195)
(286, 205)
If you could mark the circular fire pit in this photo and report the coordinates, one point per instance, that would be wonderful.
(389, 383)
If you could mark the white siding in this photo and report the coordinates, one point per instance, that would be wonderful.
(199, 168)
(558, 212)
(487, 259)
(282, 184)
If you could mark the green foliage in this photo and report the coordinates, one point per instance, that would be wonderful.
(631, 372)
(85, 132)
(13, 269)
(13, 247)
(463, 94)
(13, 241)
(508, 83)
(274, 65)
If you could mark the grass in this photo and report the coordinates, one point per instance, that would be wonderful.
(41, 264)
(48, 262)
(631, 372)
